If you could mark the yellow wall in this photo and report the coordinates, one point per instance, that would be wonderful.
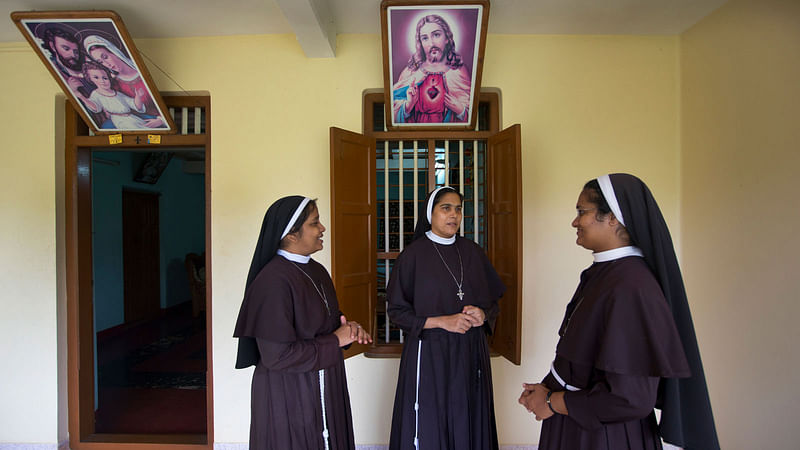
(29, 328)
(740, 72)
(587, 105)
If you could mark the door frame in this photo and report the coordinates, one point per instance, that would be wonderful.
(80, 339)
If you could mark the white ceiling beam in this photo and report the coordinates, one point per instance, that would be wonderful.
(313, 26)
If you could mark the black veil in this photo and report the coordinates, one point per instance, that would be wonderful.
(686, 417)
(275, 222)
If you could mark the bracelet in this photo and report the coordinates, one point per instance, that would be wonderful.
(550, 405)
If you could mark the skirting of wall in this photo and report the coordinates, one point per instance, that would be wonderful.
(243, 446)
(11, 446)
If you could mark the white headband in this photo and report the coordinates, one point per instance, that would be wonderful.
(430, 201)
(295, 216)
(608, 192)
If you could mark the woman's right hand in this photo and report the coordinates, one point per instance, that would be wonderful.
(343, 333)
(455, 323)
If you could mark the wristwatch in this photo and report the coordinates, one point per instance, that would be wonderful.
(550, 405)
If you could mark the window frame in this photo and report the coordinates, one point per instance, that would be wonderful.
(393, 350)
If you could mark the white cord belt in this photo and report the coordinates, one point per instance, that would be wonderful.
(416, 401)
(322, 402)
(560, 380)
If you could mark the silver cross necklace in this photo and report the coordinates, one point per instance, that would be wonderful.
(320, 292)
(460, 292)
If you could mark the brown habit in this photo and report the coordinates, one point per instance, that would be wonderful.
(294, 329)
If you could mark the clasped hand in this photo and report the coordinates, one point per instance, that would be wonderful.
(350, 332)
(534, 399)
(470, 316)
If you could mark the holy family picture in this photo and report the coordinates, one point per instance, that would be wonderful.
(432, 63)
(99, 70)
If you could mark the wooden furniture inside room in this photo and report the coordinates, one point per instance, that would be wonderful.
(196, 274)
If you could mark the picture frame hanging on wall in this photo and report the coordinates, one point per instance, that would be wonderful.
(432, 62)
(93, 58)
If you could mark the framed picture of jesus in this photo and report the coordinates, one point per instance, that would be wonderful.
(432, 60)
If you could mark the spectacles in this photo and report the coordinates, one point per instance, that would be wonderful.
(581, 212)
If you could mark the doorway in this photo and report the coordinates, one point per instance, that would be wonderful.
(140, 252)
(138, 285)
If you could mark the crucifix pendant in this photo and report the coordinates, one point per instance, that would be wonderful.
(460, 295)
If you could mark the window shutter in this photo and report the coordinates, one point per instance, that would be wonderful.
(505, 236)
(352, 228)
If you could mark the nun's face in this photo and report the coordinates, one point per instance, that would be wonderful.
(446, 215)
(593, 234)
(309, 238)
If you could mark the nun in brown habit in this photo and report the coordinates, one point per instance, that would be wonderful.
(627, 344)
(291, 329)
(443, 293)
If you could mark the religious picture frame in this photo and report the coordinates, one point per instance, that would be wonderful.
(432, 62)
(92, 57)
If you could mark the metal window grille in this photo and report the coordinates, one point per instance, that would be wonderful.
(406, 171)
(189, 120)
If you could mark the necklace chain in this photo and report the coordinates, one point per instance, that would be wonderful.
(320, 292)
(566, 325)
(460, 292)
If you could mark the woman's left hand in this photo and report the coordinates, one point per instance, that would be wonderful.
(534, 399)
(358, 333)
(475, 315)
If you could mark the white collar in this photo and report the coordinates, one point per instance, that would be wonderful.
(302, 259)
(440, 240)
(617, 253)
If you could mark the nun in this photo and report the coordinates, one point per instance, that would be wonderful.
(290, 328)
(627, 344)
(443, 294)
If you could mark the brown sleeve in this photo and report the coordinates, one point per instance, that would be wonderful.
(300, 356)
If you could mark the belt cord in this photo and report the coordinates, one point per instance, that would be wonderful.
(325, 433)
(416, 401)
(561, 380)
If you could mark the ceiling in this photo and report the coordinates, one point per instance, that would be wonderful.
(316, 21)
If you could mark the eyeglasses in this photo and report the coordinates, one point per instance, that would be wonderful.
(581, 212)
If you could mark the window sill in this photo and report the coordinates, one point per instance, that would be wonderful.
(384, 351)
(395, 350)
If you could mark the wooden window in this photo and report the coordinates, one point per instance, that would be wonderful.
(402, 167)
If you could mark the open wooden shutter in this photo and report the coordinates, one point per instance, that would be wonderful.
(504, 178)
(353, 227)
